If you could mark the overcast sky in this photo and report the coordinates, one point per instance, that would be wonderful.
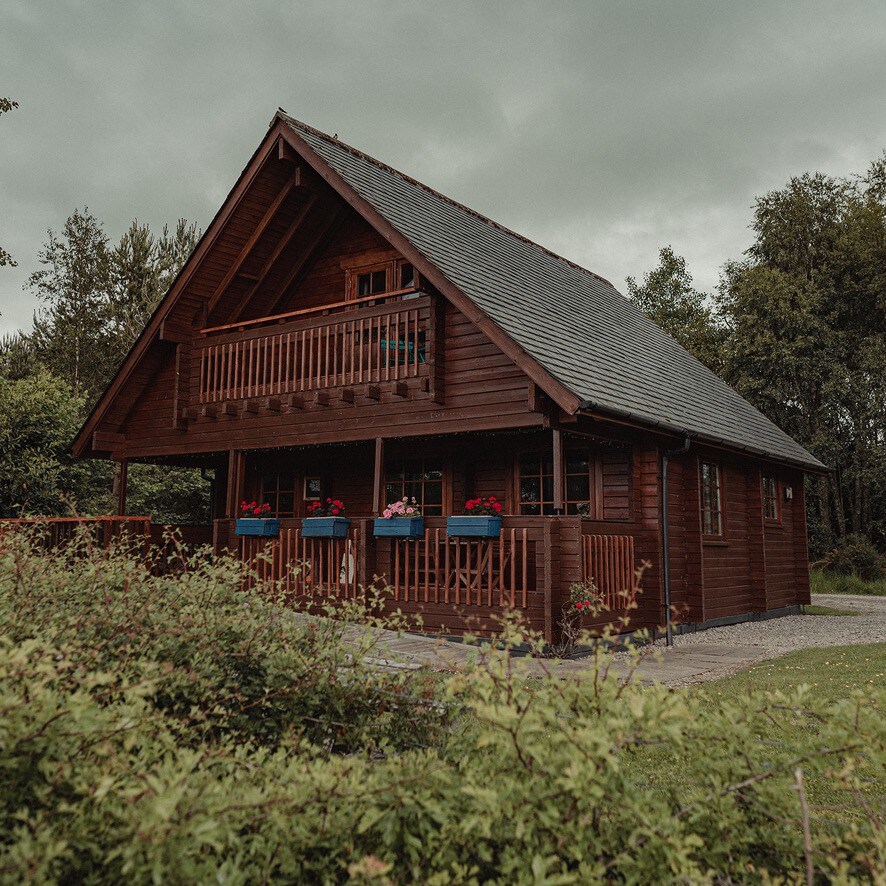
(602, 130)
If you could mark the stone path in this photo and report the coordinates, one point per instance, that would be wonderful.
(695, 658)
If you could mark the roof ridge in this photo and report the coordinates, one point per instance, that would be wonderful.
(388, 168)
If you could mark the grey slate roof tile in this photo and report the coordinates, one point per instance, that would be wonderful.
(576, 325)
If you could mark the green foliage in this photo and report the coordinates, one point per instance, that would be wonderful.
(831, 583)
(185, 730)
(806, 314)
(38, 419)
(669, 298)
(70, 332)
(168, 494)
(856, 556)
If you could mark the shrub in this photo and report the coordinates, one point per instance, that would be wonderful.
(103, 778)
(855, 555)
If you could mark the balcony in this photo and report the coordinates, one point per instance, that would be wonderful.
(367, 342)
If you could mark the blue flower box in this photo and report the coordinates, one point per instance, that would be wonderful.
(474, 527)
(325, 527)
(399, 527)
(260, 527)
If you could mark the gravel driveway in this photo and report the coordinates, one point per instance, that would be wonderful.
(791, 632)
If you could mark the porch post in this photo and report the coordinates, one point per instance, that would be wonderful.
(121, 473)
(236, 464)
(558, 471)
(378, 477)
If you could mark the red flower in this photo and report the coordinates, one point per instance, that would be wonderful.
(335, 512)
(256, 511)
(469, 506)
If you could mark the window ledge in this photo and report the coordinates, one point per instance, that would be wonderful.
(715, 542)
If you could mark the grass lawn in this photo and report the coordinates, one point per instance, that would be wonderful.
(826, 610)
(828, 583)
(787, 732)
(831, 673)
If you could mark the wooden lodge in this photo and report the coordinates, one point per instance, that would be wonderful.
(344, 331)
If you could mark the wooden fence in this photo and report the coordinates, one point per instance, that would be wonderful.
(473, 572)
(325, 567)
(55, 532)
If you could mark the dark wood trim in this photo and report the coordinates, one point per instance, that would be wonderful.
(378, 476)
(557, 444)
(564, 398)
(236, 481)
(245, 252)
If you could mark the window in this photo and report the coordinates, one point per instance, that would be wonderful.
(278, 490)
(419, 478)
(770, 498)
(377, 279)
(536, 481)
(536, 487)
(711, 511)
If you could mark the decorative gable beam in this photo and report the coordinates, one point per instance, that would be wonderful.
(260, 228)
(285, 240)
(335, 218)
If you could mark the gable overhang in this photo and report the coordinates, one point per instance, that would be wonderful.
(82, 445)
(88, 442)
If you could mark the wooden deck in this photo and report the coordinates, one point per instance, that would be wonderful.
(451, 584)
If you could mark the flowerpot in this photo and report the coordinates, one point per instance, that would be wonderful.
(399, 527)
(260, 527)
(325, 527)
(474, 527)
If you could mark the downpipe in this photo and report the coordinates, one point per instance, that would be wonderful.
(666, 539)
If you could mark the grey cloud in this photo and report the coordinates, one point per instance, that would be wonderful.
(603, 130)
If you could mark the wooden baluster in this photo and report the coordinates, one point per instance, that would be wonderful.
(525, 568)
(395, 549)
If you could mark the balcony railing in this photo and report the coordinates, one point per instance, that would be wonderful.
(362, 345)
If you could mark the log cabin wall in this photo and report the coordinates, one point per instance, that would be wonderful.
(758, 564)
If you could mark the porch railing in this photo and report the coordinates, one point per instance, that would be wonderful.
(308, 567)
(382, 343)
(438, 568)
(609, 562)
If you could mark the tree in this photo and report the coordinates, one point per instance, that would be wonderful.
(38, 419)
(6, 105)
(806, 319)
(668, 297)
(71, 331)
(142, 270)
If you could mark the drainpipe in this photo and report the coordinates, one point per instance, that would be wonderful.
(665, 529)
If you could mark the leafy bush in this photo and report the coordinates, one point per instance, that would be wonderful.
(829, 583)
(855, 555)
(123, 756)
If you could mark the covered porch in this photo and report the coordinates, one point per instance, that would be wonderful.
(575, 510)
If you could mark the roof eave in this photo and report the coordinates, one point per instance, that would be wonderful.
(593, 409)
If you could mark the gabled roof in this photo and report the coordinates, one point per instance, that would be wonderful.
(574, 324)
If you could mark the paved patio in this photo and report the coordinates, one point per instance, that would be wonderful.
(696, 658)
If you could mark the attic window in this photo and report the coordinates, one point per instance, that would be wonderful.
(397, 275)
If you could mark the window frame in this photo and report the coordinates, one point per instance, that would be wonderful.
(773, 499)
(393, 269)
(594, 474)
(720, 535)
(444, 481)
